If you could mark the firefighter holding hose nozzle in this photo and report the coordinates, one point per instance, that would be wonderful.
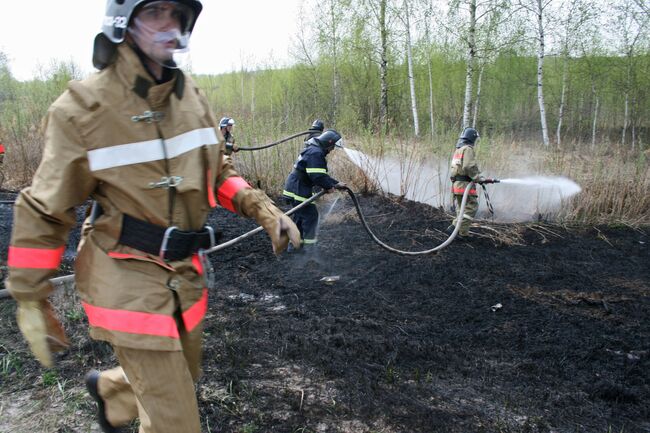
(309, 171)
(464, 171)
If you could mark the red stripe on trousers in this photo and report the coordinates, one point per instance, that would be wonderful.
(196, 262)
(133, 322)
(229, 189)
(193, 315)
(34, 258)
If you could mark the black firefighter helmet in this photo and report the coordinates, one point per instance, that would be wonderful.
(469, 135)
(318, 125)
(329, 139)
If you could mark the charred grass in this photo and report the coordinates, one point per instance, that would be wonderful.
(395, 344)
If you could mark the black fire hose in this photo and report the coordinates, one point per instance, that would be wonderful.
(432, 250)
(266, 146)
(409, 253)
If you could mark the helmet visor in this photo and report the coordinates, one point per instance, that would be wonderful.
(339, 143)
(161, 31)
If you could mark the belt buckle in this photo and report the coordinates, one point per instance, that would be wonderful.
(165, 241)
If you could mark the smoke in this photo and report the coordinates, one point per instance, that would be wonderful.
(514, 199)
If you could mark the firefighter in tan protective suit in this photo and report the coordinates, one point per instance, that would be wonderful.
(464, 170)
(140, 139)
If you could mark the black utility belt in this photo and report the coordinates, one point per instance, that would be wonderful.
(461, 179)
(169, 243)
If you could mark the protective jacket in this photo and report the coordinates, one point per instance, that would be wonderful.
(463, 169)
(143, 150)
(309, 170)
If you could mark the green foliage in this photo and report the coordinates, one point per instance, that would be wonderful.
(287, 100)
(50, 378)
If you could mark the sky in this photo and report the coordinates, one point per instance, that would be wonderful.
(227, 34)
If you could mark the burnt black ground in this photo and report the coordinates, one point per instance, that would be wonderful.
(411, 344)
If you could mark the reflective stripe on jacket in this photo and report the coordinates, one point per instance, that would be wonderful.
(310, 170)
(169, 170)
(463, 163)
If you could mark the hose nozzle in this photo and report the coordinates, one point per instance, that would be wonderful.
(488, 180)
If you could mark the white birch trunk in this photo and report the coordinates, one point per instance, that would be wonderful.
(430, 95)
(383, 67)
(471, 53)
(253, 99)
(335, 79)
(560, 115)
(409, 57)
(593, 127)
(540, 72)
(477, 103)
(625, 118)
(428, 39)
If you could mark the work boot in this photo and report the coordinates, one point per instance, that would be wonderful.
(92, 380)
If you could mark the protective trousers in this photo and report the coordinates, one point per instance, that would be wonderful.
(306, 219)
(156, 386)
(471, 208)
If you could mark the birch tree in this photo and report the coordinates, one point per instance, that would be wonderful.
(630, 23)
(411, 77)
(427, 37)
(480, 41)
(577, 23)
(491, 37)
(331, 25)
(375, 16)
(471, 55)
(538, 8)
(383, 66)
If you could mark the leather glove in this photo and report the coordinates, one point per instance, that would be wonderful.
(41, 329)
(280, 228)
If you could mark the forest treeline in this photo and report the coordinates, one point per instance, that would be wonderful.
(547, 71)
(561, 84)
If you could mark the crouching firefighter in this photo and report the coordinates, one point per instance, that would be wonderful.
(310, 171)
(140, 139)
(464, 170)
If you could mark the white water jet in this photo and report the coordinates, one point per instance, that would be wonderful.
(566, 186)
(325, 214)
(514, 199)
